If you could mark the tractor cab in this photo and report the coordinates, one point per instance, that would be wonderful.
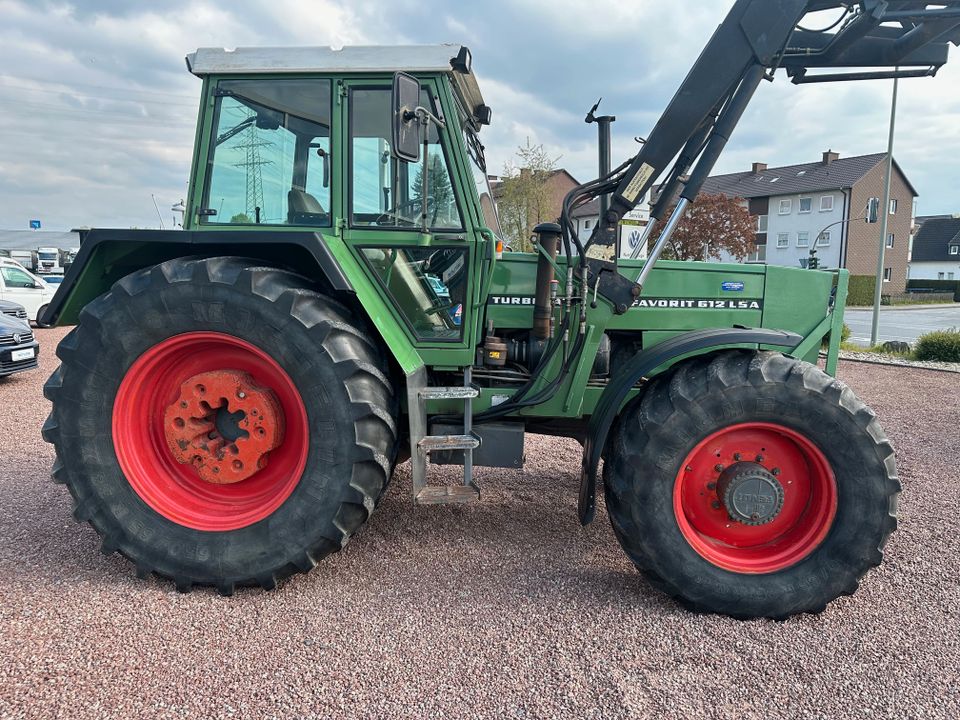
(315, 139)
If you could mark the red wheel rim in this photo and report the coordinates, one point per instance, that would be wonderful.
(809, 498)
(176, 490)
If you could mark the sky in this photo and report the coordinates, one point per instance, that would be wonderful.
(99, 111)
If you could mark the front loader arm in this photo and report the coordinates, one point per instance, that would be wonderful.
(756, 38)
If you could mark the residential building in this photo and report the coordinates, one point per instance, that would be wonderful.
(936, 248)
(822, 205)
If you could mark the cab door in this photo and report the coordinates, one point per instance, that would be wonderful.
(416, 247)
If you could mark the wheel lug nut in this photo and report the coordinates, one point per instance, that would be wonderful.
(759, 458)
(241, 394)
(718, 467)
(775, 471)
(736, 456)
(715, 504)
(711, 486)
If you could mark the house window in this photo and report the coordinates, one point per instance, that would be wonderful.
(893, 206)
(949, 276)
(806, 204)
(762, 223)
(955, 249)
(759, 255)
(786, 206)
(783, 240)
(890, 240)
(939, 276)
(803, 239)
(887, 274)
(824, 239)
(586, 224)
(826, 203)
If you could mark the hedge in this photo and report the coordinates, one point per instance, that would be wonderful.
(936, 286)
(861, 290)
(942, 345)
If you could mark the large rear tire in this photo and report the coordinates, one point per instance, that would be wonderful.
(221, 423)
(751, 484)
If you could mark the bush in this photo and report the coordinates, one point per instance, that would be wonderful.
(942, 345)
(844, 336)
(861, 289)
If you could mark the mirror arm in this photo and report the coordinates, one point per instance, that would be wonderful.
(425, 115)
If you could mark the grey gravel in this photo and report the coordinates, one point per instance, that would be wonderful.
(504, 609)
(883, 359)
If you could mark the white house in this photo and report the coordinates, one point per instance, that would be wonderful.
(936, 249)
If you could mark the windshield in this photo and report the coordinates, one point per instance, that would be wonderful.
(478, 166)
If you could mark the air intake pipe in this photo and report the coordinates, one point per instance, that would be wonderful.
(548, 238)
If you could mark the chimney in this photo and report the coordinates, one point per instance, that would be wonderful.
(829, 156)
(759, 167)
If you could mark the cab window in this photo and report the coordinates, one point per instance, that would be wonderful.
(269, 161)
(386, 192)
(428, 286)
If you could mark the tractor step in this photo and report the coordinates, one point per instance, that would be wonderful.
(431, 443)
(422, 444)
(449, 393)
(447, 494)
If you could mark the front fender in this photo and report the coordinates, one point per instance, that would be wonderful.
(106, 255)
(641, 365)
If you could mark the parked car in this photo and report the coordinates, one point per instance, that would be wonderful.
(19, 285)
(19, 350)
(14, 310)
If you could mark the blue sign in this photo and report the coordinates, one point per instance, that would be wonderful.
(732, 286)
(34, 224)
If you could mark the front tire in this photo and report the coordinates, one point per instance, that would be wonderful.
(751, 484)
(40, 313)
(292, 412)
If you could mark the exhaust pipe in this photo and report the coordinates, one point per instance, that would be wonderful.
(548, 238)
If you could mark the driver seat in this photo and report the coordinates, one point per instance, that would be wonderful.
(304, 209)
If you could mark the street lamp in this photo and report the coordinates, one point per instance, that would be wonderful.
(885, 209)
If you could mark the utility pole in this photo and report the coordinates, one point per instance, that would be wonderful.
(885, 209)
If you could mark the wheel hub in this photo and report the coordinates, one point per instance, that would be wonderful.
(750, 493)
(224, 425)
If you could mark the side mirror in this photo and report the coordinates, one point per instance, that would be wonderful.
(405, 138)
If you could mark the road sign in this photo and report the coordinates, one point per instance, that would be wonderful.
(34, 224)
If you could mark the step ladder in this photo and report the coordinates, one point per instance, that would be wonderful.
(421, 444)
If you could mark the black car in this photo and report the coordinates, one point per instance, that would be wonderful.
(18, 349)
(15, 310)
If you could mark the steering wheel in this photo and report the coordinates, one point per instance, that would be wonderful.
(398, 215)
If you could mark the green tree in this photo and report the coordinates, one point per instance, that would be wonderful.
(441, 204)
(523, 198)
(241, 219)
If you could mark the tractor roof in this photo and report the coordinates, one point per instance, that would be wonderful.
(453, 60)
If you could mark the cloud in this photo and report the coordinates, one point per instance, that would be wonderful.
(99, 111)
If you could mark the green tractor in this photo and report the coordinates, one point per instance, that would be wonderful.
(235, 396)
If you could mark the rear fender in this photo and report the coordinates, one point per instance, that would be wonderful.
(641, 365)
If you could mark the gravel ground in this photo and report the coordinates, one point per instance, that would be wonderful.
(503, 609)
(881, 359)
